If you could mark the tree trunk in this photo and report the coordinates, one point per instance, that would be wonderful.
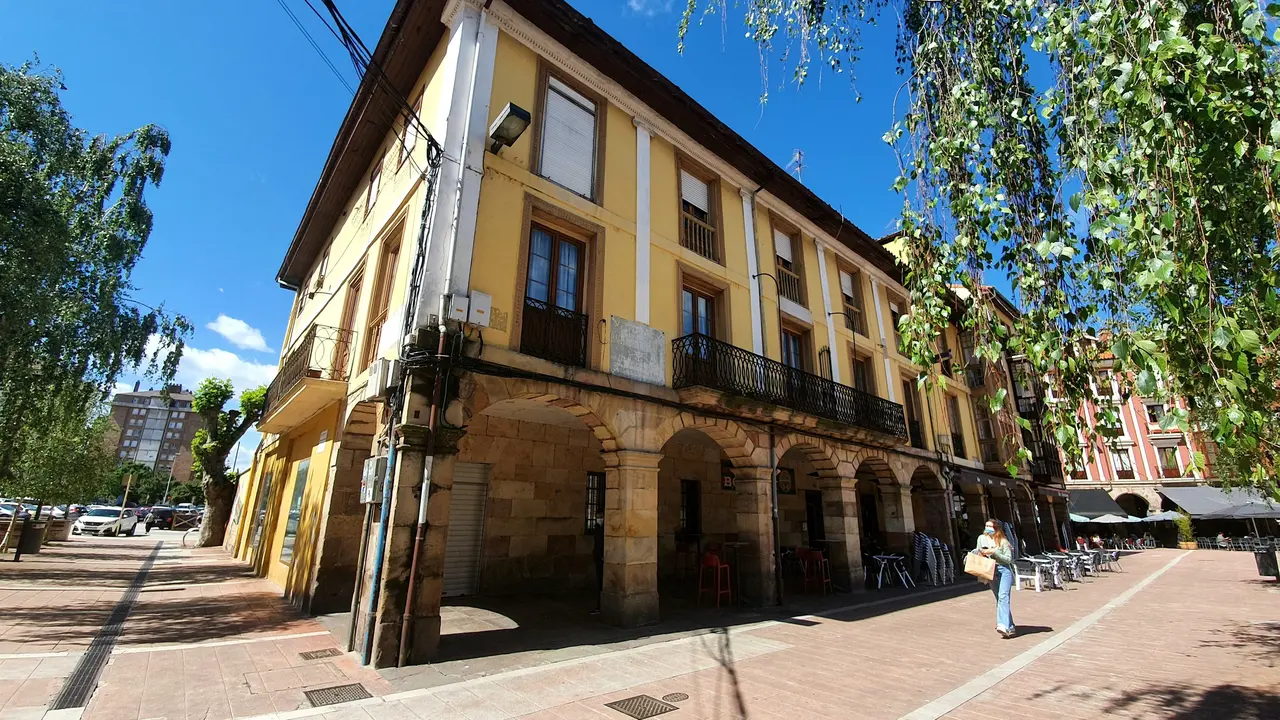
(218, 497)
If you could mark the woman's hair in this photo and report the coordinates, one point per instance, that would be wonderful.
(999, 536)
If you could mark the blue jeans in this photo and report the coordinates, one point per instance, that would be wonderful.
(1002, 585)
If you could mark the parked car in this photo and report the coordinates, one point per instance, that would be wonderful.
(160, 517)
(108, 521)
(8, 509)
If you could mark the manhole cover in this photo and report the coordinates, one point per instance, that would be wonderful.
(317, 654)
(641, 706)
(675, 697)
(338, 694)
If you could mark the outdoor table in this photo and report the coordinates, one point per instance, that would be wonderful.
(894, 564)
(1050, 565)
(732, 547)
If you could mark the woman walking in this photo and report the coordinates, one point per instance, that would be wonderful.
(995, 545)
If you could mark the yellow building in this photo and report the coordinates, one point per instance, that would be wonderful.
(651, 333)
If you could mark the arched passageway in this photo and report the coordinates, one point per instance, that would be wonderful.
(1133, 504)
(929, 505)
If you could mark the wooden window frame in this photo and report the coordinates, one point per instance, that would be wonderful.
(776, 225)
(807, 359)
(384, 280)
(375, 181)
(545, 73)
(854, 358)
(537, 210)
(715, 214)
(559, 237)
(594, 509)
(714, 288)
(859, 299)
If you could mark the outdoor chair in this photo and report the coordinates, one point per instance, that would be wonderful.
(720, 575)
(817, 569)
(1026, 570)
(1085, 561)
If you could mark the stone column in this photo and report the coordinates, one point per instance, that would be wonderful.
(755, 527)
(899, 519)
(840, 525)
(1049, 524)
(424, 639)
(630, 597)
(1028, 530)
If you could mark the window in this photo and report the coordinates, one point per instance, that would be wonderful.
(124, 453)
(697, 312)
(945, 361)
(786, 250)
(347, 322)
(260, 514)
(987, 442)
(824, 363)
(383, 281)
(568, 153)
(851, 295)
(409, 134)
(957, 426)
(553, 325)
(317, 282)
(295, 511)
(863, 375)
(375, 179)
(690, 507)
(792, 350)
(1106, 388)
(1169, 461)
(895, 314)
(1155, 413)
(911, 406)
(595, 501)
(1123, 462)
(697, 221)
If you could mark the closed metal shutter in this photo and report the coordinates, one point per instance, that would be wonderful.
(466, 529)
(569, 139)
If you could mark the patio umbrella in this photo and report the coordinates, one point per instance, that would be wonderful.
(1166, 516)
(1111, 519)
(1250, 510)
(1078, 518)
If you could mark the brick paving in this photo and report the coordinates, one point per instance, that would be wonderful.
(206, 640)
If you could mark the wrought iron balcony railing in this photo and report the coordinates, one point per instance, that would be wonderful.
(323, 353)
(553, 333)
(701, 360)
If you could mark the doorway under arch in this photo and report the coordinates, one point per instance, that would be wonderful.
(1134, 504)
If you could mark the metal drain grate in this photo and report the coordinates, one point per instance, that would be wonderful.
(641, 707)
(317, 654)
(339, 694)
(675, 697)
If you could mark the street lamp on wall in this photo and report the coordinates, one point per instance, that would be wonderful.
(508, 127)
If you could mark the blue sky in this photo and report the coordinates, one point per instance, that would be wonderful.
(252, 112)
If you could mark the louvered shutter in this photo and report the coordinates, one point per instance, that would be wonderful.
(695, 192)
(782, 245)
(569, 139)
(846, 284)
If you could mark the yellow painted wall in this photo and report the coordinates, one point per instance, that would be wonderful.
(304, 444)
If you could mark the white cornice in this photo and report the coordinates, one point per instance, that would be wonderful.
(452, 7)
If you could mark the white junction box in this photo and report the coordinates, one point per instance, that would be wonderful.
(481, 307)
(371, 480)
(458, 308)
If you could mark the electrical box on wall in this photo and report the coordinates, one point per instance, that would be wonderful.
(458, 308)
(371, 480)
(481, 307)
(382, 376)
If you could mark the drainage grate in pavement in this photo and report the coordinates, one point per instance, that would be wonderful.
(317, 654)
(675, 697)
(641, 707)
(339, 694)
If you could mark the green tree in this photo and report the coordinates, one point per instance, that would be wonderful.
(73, 224)
(67, 460)
(1130, 196)
(213, 443)
(147, 487)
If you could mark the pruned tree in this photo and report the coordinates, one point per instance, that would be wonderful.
(73, 224)
(1117, 161)
(213, 443)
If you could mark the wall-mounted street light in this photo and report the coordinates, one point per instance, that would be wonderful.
(508, 127)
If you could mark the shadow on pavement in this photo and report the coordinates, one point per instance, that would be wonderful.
(1223, 701)
(1260, 640)
(1033, 630)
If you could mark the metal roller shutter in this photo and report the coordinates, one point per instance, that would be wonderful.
(466, 529)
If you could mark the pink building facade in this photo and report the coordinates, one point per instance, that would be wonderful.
(1144, 458)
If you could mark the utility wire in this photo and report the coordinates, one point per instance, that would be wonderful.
(310, 40)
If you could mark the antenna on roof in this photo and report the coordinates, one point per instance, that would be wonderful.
(797, 163)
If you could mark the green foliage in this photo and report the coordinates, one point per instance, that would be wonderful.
(1185, 532)
(1131, 201)
(65, 460)
(148, 486)
(73, 224)
(213, 442)
(187, 493)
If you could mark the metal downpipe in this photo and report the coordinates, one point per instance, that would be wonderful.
(380, 555)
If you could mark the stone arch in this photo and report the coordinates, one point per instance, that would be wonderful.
(930, 508)
(489, 391)
(1134, 503)
(925, 476)
(816, 451)
(874, 467)
(734, 440)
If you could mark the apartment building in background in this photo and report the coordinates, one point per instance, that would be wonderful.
(641, 326)
(155, 428)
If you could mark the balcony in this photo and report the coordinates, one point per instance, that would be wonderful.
(789, 286)
(853, 319)
(698, 236)
(313, 375)
(553, 333)
(1171, 472)
(703, 361)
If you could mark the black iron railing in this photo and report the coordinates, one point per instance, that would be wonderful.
(324, 353)
(553, 333)
(700, 360)
(915, 434)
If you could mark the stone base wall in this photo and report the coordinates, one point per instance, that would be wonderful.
(535, 538)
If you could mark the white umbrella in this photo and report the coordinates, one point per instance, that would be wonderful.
(1166, 516)
(1110, 519)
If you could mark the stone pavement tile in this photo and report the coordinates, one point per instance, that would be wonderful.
(508, 701)
(469, 705)
(31, 713)
(427, 706)
(282, 679)
(289, 700)
(318, 674)
(34, 692)
(18, 669)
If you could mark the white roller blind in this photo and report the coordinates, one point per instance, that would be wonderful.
(782, 245)
(846, 284)
(695, 192)
(569, 139)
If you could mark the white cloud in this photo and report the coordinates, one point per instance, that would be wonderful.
(649, 7)
(239, 333)
(199, 364)
(121, 387)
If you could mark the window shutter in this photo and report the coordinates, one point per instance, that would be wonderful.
(695, 192)
(569, 140)
(846, 284)
(782, 245)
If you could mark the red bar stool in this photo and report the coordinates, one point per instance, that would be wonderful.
(817, 569)
(721, 574)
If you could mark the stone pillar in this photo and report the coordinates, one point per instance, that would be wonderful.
(844, 539)
(424, 639)
(630, 597)
(754, 500)
(1049, 524)
(975, 506)
(1002, 509)
(341, 524)
(899, 519)
(411, 452)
